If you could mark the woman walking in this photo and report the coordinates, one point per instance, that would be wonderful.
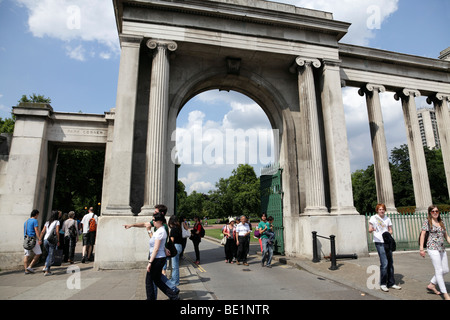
(70, 228)
(157, 259)
(229, 231)
(379, 224)
(177, 239)
(436, 250)
(51, 239)
(196, 238)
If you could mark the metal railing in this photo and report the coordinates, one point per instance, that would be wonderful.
(406, 229)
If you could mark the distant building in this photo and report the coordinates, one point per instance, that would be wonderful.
(428, 128)
(445, 54)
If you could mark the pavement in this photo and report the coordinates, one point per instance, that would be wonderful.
(82, 282)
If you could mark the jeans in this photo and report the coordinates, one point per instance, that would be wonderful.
(175, 279)
(386, 265)
(153, 279)
(51, 250)
(267, 250)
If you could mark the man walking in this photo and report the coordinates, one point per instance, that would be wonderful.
(242, 231)
(31, 228)
(89, 223)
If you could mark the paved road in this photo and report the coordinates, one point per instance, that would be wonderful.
(282, 282)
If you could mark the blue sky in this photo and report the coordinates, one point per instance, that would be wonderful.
(68, 50)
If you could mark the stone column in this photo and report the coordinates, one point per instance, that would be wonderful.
(441, 106)
(341, 193)
(311, 154)
(383, 179)
(422, 191)
(157, 158)
(119, 180)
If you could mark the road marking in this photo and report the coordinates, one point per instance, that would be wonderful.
(197, 266)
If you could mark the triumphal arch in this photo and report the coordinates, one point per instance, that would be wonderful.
(289, 60)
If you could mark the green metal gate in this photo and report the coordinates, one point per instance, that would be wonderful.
(272, 202)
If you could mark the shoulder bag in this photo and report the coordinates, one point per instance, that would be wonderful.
(28, 241)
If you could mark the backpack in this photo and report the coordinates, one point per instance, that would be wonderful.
(92, 224)
(73, 230)
(202, 232)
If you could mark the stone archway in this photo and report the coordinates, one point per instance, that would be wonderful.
(287, 59)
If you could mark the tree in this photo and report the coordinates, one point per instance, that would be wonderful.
(401, 177)
(364, 190)
(7, 125)
(34, 99)
(436, 175)
(78, 182)
(233, 196)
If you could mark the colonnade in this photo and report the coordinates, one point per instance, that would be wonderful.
(421, 184)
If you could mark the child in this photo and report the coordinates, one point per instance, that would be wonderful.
(269, 232)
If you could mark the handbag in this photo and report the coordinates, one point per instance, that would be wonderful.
(171, 250)
(427, 233)
(53, 237)
(28, 241)
(257, 233)
(185, 233)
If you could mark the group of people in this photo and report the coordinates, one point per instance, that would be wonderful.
(237, 240)
(60, 232)
(432, 235)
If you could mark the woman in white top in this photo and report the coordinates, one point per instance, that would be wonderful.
(157, 260)
(51, 239)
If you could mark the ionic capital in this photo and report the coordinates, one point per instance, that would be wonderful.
(167, 44)
(438, 98)
(406, 93)
(304, 61)
(369, 88)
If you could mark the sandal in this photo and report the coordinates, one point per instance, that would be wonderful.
(433, 290)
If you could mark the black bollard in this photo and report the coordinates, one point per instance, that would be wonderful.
(315, 254)
(333, 253)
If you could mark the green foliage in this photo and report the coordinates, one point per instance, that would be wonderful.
(78, 182)
(364, 190)
(233, 196)
(34, 99)
(7, 125)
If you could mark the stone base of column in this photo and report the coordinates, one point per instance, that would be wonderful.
(349, 230)
(119, 248)
(117, 211)
(147, 211)
(315, 211)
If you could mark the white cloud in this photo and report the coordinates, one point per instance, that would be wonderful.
(74, 20)
(365, 15)
(358, 131)
(77, 53)
(204, 144)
